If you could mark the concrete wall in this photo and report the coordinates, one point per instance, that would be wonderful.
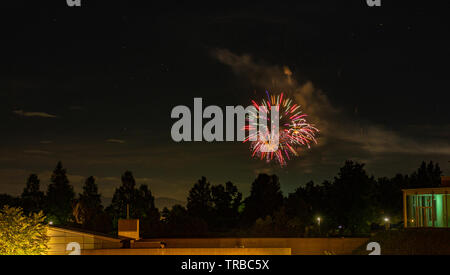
(59, 238)
(129, 228)
(299, 246)
(97, 244)
(190, 251)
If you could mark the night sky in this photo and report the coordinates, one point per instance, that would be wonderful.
(94, 87)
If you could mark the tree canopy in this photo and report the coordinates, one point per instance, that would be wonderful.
(32, 197)
(265, 198)
(140, 201)
(21, 234)
(60, 197)
(89, 208)
(353, 203)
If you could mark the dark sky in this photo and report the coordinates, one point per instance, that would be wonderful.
(94, 87)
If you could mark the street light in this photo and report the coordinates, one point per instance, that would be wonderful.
(386, 223)
(318, 221)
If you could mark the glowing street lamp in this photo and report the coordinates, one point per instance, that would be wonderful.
(386, 223)
(318, 221)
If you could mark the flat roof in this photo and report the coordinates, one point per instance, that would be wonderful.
(430, 190)
(84, 232)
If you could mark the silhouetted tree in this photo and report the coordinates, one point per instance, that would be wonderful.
(9, 200)
(32, 197)
(389, 197)
(225, 203)
(90, 205)
(277, 224)
(146, 211)
(353, 204)
(426, 176)
(145, 201)
(140, 201)
(302, 204)
(178, 222)
(174, 216)
(124, 195)
(265, 198)
(199, 201)
(308, 203)
(60, 196)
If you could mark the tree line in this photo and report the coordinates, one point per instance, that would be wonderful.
(352, 203)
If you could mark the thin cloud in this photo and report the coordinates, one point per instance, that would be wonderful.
(334, 124)
(34, 114)
(112, 140)
(45, 141)
(258, 171)
(37, 152)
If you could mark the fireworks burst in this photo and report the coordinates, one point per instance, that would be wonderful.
(294, 131)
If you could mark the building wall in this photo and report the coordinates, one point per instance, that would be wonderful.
(129, 228)
(447, 210)
(98, 245)
(440, 211)
(59, 238)
(298, 246)
(190, 251)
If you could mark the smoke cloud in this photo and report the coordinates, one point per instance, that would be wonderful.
(335, 125)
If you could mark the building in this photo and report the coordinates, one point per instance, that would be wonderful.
(128, 243)
(61, 237)
(427, 207)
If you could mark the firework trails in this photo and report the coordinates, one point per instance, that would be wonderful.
(294, 131)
